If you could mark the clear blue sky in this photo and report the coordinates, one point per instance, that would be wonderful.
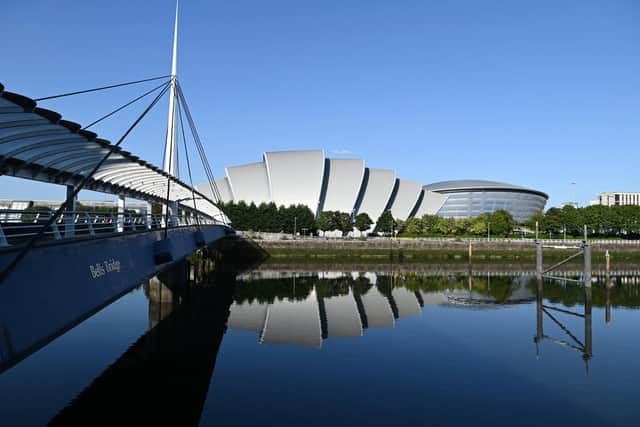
(537, 93)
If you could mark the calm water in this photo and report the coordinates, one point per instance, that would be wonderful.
(343, 348)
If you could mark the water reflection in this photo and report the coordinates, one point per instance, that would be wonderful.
(572, 341)
(166, 376)
(163, 378)
(303, 309)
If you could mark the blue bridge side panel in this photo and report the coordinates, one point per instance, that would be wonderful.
(59, 284)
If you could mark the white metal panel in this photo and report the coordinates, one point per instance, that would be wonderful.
(223, 188)
(294, 322)
(344, 181)
(406, 198)
(249, 183)
(431, 203)
(343, 319)
(378, 190)
(295, 177)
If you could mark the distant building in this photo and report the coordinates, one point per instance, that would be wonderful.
(619, 199)
(348, 185)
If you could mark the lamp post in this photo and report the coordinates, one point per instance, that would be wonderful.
(295, 224)
(488, 231)
(391, 239)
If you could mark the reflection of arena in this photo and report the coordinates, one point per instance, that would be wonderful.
(347, 185)
(336, 304)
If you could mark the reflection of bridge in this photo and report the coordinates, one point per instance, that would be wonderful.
(322, 314)
(164, 377)
(59, 267)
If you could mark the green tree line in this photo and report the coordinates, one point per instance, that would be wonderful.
(601, 221)
(281, 219)
(269, 217)
(499, 223)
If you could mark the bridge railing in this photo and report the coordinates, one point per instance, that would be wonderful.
(18, 226)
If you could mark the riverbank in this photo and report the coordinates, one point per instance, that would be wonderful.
(521, 252)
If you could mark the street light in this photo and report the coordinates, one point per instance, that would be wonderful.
(488, 231)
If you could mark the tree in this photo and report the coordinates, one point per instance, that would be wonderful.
(429, 223)
(478, 226)
(385, 223)
(462, 226)
(536, 218)
(444, 226)
(553, 221)
(414, 226)
(325, 221)
(343, 222)
(502, 223)
(571, 220)
(363, 222)
(304, 218)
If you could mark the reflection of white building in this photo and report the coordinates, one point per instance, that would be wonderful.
(377, 309)
(306, 322)
(406, 302)
(343, 319)
(347, 185)
(248, 317)
(293, 322)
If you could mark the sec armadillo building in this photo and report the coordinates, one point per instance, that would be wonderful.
(348, 185)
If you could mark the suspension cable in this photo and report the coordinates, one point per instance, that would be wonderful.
(106, 116)
(198, 143)
(186, 153)
(170, 139)
(203, 157)
(5, 273)
(101, 88)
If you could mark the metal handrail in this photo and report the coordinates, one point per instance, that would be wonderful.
(17, 226)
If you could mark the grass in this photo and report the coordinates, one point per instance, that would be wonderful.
(348, 255)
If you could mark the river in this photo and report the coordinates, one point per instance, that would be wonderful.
(308, 347)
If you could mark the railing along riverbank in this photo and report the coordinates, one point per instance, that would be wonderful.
(283, 240)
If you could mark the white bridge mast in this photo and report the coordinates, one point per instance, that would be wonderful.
(171, 147)
(170, 210)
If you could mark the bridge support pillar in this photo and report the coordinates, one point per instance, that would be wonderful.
(170, 212)
(587, 264)
(148, 216)
(120, 219)
(538, 258)
(69, 215)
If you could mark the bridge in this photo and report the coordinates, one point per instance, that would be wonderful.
(68, 263)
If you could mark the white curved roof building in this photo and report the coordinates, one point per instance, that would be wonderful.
(295, 177)
(376, 191)
(344, 179)
(347, 185)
